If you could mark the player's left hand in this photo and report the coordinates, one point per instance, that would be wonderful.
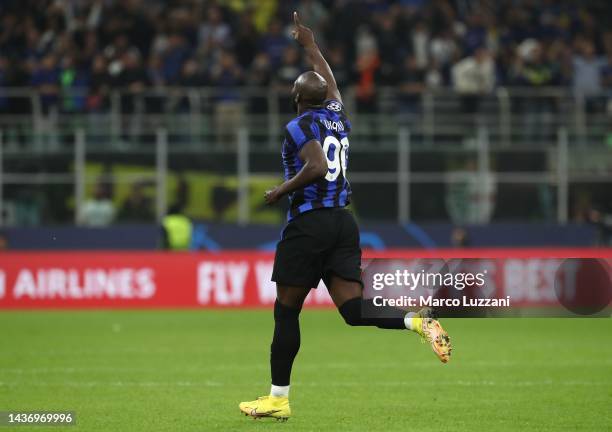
(302, 34)
(273, 195)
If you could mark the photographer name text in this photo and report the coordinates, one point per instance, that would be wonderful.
(431, 301)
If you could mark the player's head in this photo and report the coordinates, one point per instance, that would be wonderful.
(309, 90)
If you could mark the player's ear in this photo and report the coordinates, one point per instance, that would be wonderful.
(296, 100)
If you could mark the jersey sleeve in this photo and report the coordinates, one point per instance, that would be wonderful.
(336, 108)
(301, 131)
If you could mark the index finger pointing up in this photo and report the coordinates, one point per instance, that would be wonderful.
(296, 19)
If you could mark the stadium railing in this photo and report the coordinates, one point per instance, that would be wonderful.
(467, 146)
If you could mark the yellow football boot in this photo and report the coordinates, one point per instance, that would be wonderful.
(267, 406)
(431, 331)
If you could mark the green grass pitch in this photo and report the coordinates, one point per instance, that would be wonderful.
(187, 371)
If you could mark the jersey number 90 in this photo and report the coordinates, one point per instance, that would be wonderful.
(336, 156)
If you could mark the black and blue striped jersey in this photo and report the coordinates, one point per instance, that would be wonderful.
(330, 126)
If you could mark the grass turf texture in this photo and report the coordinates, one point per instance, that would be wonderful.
(187, 371)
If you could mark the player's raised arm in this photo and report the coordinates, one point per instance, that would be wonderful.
(305, 37)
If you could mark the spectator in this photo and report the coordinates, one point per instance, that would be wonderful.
(131, 77)
(98, 211)
(474, 77)
(155, 102)
(368, 62)
(176, 52)
(259, 75)
(155, 74)
(191, 76)
(420, 44)
(444, 49)
(338, 63)
(606, 73)
(311, 11)
(476, 32)
(588, 70)
(100, 83)
(45, 78)
(159, 43)
(246, 40)
(603, 223)
(226, 76)
(177, 228)
(470, 194)
(214, 35)
(137, 207)
(606, 80)
(64, 44)
(387, 42)
(533, 69)
(411, 84)
(4, 100)
(74, 83)
(289, 68)
(274, 42)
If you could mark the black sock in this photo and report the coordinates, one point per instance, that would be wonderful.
(360, 312)
(285, 344)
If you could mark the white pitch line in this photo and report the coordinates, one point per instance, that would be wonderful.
(371, 365)
(462, 383)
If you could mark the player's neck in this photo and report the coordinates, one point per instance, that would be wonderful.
(303, 108)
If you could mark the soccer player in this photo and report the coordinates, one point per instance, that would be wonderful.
(321, 239)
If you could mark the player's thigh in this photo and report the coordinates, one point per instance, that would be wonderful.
(298, 259)
(291, 296)
(341, 290)
(344, 258)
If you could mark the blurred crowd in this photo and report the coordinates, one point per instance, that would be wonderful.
(94, 46)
